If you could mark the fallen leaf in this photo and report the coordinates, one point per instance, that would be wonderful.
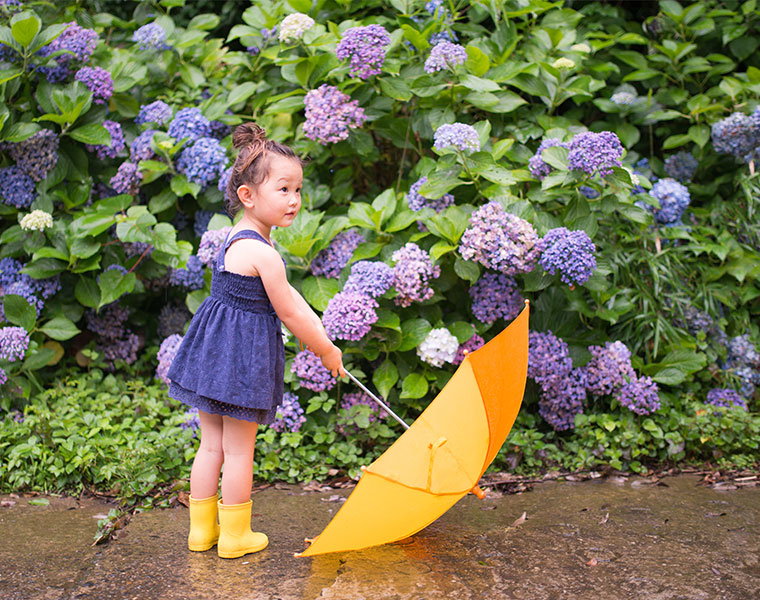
(184, 498)
(7, 503)
(520, 520)
(592, 563)
(39, 502)
(605, 518)
(334, 498)
(488, 508)
(714, 570)
(100, 516)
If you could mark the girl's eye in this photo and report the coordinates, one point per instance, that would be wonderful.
(284, 189)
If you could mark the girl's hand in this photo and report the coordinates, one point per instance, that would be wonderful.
(333, 361)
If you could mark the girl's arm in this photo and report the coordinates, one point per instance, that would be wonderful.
(295, 314)
(304, 306)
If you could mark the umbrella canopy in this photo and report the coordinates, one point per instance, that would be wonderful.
(442, 455)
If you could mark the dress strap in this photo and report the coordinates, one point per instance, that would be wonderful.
(249, 234)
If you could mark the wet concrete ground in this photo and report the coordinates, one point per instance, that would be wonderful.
(597, 539)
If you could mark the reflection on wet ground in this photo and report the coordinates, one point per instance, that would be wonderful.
(596, 539)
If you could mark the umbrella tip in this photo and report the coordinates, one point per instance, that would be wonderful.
(527, 302)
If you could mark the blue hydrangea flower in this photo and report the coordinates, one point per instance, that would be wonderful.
(346, 421)
(590, 192)
(412, 273)
(365, 47)
(190, 277)
(157, 112)
(673, 198)
(536, 165)
(417, 201)
(117, 142)
(443, 36)
(445, 55)
(349, 316)
(98, 81)
(16, 187)
(595, 153)
(127, 179)
(500, 241)
(36, 155)
(572, 253)
(290, 414)
(741, 351)
(456, 135)
(623, 98)
(548, 358)
(562, 399)
(224, 180)
(681, 166)
(312, 374)
(121, 349)
(609, 368)
(735, 135)
(330, 114)
(14, 342)
(203, 161)
(371, 278)
(189, 123)
(172, 319)
(495, 296)
(639, 395)
(141, 148)
(470, 345)
(166, 353)
(150, 37)
(109, 321)
(78, 42)
(330, 261)
(726, 397)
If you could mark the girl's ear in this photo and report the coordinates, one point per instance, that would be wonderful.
(245, 194)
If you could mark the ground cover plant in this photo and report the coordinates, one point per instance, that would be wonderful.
(462, 157)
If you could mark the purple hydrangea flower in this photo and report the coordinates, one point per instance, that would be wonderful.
(548, 358)
(201, 220)
(202, 162)
(141, 148)
(3, 376)
(330, 261)
(470, 345)
(211, 243)
(192, 420)
(569, 252)
(365, 47)
(445, 55)
(500, 241)
(456, 135)
(290, 414)
(417, 201)
(191, 277)
(673, 198)
(132, 249)
(172, 319)
(609, 368)
(536, 165)
(329, 114)
(412, 273)
(741, 352)
(589, 192)
(127, 179)
(495, 296)
(595, 153)
(371, 278)
(346, 422)
(117, 142)
(150, 37)
(124, 348)
(681, 166)
(16, 187)
(726, 397)
(36, 155)
(14, 342)
(80, 42)
(98, 81)
(312, 374)
(639, 395)
(157, 112)
(623, 98)
(224, 179)
(166, 353)
(735, 135)
(189, 123)
(109, 321)
(349, 316)
(563, 399)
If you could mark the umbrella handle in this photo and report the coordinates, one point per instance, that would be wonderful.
(380, 402)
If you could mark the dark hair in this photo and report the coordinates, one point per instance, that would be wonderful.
(251, 165)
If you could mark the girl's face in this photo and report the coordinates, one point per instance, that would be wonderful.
(277, 200)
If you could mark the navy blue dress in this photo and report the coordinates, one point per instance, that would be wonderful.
(232, 358)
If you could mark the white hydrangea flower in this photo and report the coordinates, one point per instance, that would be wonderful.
(294, 26)
(439, 347)
(623, 98)
(563, 63)
(581, 48)
(37, 220)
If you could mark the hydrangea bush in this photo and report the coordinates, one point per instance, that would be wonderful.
(458, 163)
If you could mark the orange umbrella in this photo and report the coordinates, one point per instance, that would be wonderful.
(442, 455)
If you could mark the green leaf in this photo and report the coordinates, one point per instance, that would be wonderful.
(114, 284)
(241, 92)
(387, 319)
(60, 328)
(19, 312)
(24, 26)
(18, 132)
(84, 246)
(191, 75)
(462, 330)
(318, 291)
(44, 268)
(87, 292)
(162, 201)
(38, 359)
(670, 376)
(477, 62)
(467, 270)
(414, 386)
(476, 84)
(396, 88)
(181, 186)
(92, 133)
(674, 141)
(385, 205)
(440, 248)
(385, 377)
(413, 333)
(204, 21)
(700, 134)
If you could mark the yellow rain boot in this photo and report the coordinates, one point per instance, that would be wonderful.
(235, 536)
(204, 529)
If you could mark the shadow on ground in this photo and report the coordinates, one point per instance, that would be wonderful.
(595, 539)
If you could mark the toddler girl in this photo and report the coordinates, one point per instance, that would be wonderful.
(230, 364)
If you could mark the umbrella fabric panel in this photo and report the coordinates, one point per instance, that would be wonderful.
(501, 370)
(379, 512)
(444, 449)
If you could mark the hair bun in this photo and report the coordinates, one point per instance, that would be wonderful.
(248, 134)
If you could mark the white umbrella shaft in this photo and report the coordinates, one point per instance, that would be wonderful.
(380, 402)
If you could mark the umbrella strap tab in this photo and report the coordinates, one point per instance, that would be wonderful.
(433, 446)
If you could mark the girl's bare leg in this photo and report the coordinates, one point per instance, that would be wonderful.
(204, 476)
(238, 441)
